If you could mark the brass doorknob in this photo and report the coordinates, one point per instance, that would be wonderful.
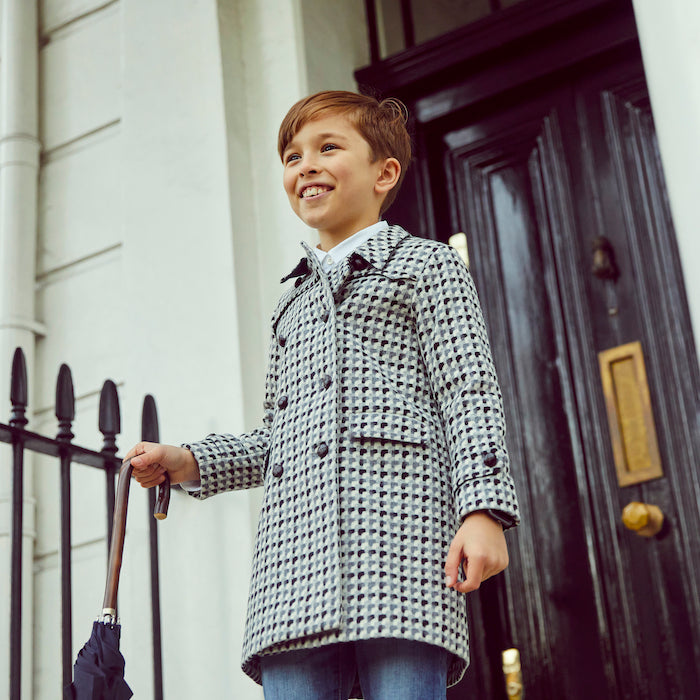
(643, 518)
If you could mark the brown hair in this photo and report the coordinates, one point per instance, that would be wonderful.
(381, 124)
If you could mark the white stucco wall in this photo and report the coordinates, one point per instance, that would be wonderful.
(670, 38)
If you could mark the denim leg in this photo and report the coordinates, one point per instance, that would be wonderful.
(325, 673)
(390, 669)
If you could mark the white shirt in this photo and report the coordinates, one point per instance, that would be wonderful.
(338, 253)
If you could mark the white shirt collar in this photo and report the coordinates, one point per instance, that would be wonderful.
(338, 253)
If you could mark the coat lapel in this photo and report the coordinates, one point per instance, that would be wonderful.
(375, 253)
(378, 250)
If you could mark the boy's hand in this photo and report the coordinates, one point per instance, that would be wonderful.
(151, 460)
(480, 543)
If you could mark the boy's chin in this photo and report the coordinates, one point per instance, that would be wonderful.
(316, 222)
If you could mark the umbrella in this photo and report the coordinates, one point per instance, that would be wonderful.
(98, 672)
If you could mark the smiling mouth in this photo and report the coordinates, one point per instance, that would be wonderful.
(314, 191)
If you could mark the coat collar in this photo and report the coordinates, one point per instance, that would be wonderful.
(375, 251)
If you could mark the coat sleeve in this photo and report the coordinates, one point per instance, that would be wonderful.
(455, 348)
(231, 462)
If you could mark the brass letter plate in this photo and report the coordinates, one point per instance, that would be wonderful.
(631, 422)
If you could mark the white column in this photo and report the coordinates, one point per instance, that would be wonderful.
(669, 33)
(182, 340)
(19, 162)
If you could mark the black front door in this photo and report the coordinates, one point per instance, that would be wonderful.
(535, 175)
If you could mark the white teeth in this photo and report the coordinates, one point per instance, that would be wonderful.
(313, 191)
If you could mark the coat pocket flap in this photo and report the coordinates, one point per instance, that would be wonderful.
(389, 426)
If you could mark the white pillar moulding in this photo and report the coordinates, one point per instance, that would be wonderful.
(19, 165)
(669, 34)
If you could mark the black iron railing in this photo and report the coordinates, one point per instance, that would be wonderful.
(16, 434)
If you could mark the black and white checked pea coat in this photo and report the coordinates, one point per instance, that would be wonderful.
(383, 427)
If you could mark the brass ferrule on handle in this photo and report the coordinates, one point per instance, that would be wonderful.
(116, 547)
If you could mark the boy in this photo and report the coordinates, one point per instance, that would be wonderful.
(382, 452)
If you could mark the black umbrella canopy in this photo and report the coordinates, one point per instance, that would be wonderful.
(98, 673)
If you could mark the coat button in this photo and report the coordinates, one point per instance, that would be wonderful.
(282, 401)
(325, 315)
(326, 381)
(491, 460)
(281, 339)
(322, 450)
(277, 470)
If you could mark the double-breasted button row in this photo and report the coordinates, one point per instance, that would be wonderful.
(281, 339)
(282, 402)
(326, 381)
(491, 460)
(321, 451)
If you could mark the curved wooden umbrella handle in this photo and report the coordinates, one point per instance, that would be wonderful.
(116, 547)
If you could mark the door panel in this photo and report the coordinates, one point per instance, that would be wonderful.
(497, 176)
(651, 587)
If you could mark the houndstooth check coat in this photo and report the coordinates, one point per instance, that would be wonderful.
(383, 428)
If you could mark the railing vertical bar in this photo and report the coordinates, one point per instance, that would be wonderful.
(19, 392)
(16, 585)
(151, 433)
(65, 413)
(110, 426)
(155, 602)
(66, 574)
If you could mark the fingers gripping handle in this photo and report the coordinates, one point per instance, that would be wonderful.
(116, 547)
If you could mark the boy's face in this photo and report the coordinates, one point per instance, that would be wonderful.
(330, 180)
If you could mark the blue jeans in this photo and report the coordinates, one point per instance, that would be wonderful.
(388, 669)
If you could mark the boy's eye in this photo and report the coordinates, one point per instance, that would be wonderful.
(291, 157)
(328, 147)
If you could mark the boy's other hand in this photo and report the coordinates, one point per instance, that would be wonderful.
(481, 546)
(151, 460)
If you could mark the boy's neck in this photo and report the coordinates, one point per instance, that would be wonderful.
(329, 240)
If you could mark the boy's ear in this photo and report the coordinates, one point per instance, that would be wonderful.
(389, 175)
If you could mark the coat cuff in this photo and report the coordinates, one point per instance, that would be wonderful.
(490, 490)
(226, 463)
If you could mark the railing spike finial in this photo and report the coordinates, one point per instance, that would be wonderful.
(65, 404)
(149, 420)
(18, 390)
(109, 419)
